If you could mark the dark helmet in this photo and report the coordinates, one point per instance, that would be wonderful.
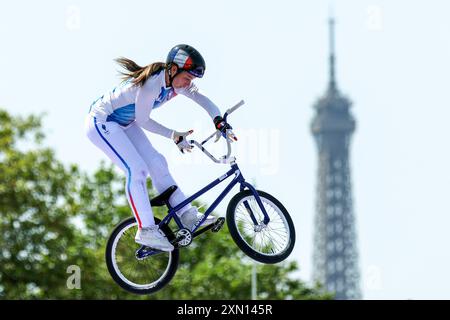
(187, 59)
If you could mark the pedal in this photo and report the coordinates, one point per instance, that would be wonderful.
(218, 224)
(143, 252)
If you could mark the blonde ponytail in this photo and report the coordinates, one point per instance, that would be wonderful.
(137, 73)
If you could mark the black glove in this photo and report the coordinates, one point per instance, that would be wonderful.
(221, 124)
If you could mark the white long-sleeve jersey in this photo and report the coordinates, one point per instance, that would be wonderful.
(127, 103)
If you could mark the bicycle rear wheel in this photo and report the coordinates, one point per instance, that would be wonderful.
(269, 243)
(136, 274)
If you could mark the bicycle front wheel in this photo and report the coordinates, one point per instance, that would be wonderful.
(271, 243)
(138, 273)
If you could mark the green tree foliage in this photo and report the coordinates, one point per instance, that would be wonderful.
(54, 216)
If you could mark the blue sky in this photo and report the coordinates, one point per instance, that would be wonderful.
(392, 62)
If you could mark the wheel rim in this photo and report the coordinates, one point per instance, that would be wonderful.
(274, 239)
(140, 274)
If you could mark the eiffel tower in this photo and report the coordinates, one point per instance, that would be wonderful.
(335, 255)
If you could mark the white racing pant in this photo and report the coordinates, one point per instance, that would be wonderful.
(129, 148)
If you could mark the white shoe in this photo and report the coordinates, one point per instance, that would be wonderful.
(191, 216)
(154, 238)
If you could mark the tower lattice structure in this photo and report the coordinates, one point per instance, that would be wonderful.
(335, 255)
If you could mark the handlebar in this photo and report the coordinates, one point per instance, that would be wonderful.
(226, 158)
(232, 109)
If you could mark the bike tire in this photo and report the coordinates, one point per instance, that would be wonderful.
(242, 240)
(116, 273)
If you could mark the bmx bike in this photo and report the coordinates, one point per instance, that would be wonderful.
(258, 223)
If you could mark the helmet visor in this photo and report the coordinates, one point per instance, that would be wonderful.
(197, 71)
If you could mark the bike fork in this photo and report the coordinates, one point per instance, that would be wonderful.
(244, 185)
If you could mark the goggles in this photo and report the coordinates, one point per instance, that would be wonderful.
(197, 71)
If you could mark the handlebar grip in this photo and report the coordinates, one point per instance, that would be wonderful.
(235, 107)
(232, 109)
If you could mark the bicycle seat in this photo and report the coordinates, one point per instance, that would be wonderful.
(163, 198)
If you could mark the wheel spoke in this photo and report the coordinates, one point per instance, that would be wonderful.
(275, 243)
(280, 234)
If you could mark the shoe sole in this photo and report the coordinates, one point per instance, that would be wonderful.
(160, 249)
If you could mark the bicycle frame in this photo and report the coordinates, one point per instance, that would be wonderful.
(142, 252)
(238, 179)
